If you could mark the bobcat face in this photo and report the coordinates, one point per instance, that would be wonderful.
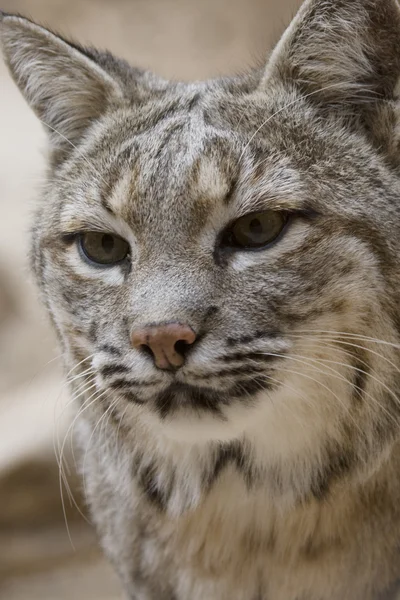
(170, 191)
(219, 255)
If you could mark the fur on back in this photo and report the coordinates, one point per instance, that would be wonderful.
(266, 467)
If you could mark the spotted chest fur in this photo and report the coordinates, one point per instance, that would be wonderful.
(220, 261)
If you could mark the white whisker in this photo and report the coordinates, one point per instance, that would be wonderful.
(288, 105)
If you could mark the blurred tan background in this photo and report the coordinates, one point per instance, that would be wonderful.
(184, 39)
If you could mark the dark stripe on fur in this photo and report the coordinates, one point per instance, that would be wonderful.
(196, 398)
(121, 384)
(242, 356)
(249, 387)
(93, 331)
(131, 397)
(360, 381)
(147, 479)
(242, 370)
(246, 339)
(338, 463)
(110, 350)
(229, 454)
(110, 370)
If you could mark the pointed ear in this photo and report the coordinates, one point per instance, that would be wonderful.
(62, 82)
(341, 51)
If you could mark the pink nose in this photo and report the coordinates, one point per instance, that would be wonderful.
(167, 343)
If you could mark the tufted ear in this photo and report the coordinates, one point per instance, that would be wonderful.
(346, 54)
(63, 83)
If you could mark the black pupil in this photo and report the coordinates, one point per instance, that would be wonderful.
(107, 243)
(256, 227)
(257, 231)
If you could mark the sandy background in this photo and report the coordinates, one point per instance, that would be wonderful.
(185, 39)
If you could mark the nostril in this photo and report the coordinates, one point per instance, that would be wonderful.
(146, 350)
(181, 347)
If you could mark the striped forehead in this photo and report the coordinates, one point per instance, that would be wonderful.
(178, 168)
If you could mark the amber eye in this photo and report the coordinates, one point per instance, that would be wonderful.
(103, 248)
(255, 230)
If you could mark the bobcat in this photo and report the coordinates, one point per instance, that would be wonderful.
(221, 263)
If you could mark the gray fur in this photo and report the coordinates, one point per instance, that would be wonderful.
(267, 467)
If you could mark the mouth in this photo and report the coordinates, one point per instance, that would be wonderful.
(189, 398)
(171, 394)
(183, 396)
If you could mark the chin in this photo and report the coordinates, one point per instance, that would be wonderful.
(193, 424)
